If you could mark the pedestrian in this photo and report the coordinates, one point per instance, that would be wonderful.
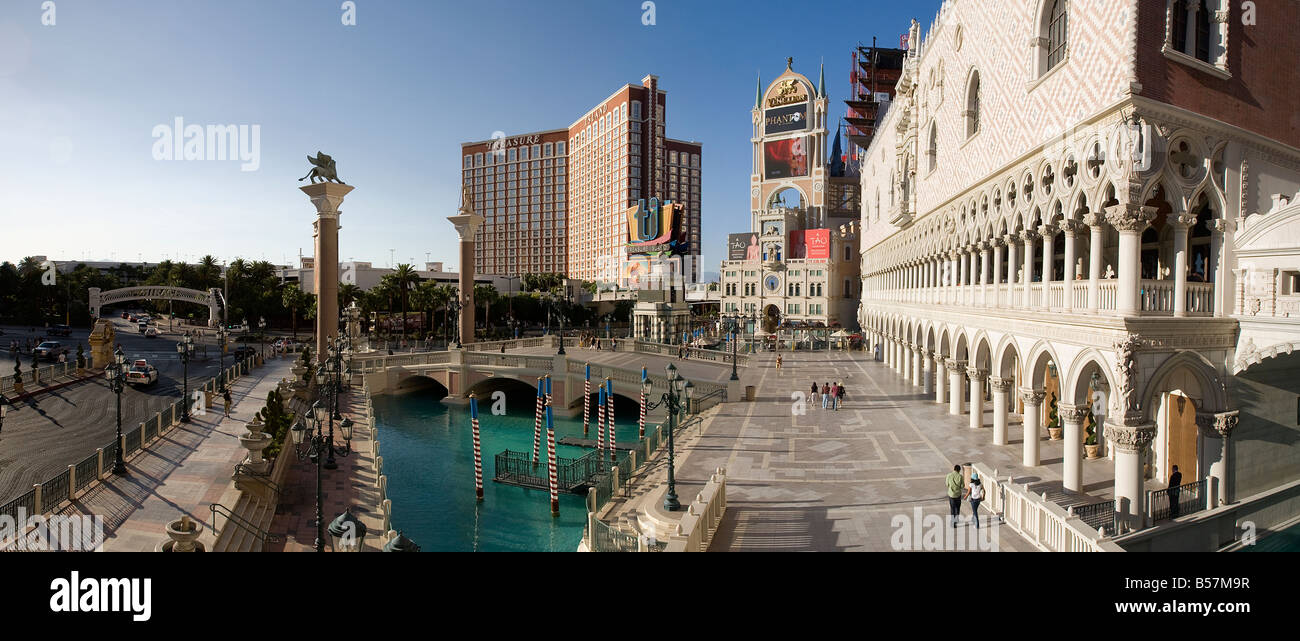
(225, 397)
(976, 495)
(1175, 481)
(839, 396)
(778, 361)
(814, 389)
(835, 396)
(826, 394)
(956, 492)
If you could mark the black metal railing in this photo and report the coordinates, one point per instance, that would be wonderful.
(87, 471)
(1171, 503)
(517, 468)
(263, 478)
(241, 523)
(26, 501)
(55, 491)
(132, 439)
(1097, 515)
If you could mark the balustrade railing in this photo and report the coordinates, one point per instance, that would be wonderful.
(1171, 503)
(1044, 523)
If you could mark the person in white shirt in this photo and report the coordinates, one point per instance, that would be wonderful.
(976, 493)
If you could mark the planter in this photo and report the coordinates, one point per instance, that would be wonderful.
(182, 536)
(1055, 433)
(1092, 451)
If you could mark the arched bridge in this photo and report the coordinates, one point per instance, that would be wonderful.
(211, 298)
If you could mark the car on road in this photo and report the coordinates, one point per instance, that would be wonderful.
(126, 315)
(142, 373)
(143, 326)
(151, 332)
(50, 350)
(60, 330)
(244, 351)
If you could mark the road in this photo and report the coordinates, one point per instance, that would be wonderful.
(43, 435)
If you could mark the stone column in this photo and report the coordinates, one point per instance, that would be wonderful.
(917, 357)
(954, 386)
(467, 222)
(1013, 242)
(997, 244)
(1072, 418)
(1048, 233)
(977, 377)
(962, 264)
(1096, 238)
(940, 386)
(984, 274)
(326, 197)
(1220, 239)
(1068, 228)
(1216, 429)
(1033, 401)
(1129, 221)
(972, 274)
(1180, 224)
(927, 372)
(1027, 277)
(1129, 439)
(1001, 387)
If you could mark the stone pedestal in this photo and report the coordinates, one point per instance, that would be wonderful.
(467, 222)
(1033, 402)
(1129, 437)
(102, 339)
(326, 197)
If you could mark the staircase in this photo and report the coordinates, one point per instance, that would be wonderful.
(246, 526)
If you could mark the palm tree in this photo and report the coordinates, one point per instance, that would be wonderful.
(405, 278)
(348, 292)
(486, 294)
(294, 299)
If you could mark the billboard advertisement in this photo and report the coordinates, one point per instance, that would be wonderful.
(785, 119)
(742, 246)
(654, 228)
(785, 158)
(812, 244)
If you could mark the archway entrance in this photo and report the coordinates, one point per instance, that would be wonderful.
(1177, 442)
(771, 318)
(211, 298)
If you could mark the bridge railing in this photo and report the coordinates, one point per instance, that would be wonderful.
(544, 363)
(692, 353)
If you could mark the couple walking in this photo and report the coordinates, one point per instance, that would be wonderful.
(831, 394)
(957, 490)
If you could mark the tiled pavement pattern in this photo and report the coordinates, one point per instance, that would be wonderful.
(833, 480)
(352, 485)
(184, 472)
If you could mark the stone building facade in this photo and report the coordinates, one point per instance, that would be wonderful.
(1052, 212)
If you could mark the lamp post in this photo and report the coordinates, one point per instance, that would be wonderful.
(347, 532)
(732, 325)
(261, 331)
(116, 373)
(326, 376)
(678, 388)
(561, 316)
(221, 348)
(300, 431)
(454, 307)
(185, 347)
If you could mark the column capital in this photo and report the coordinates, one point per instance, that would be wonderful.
(327, 197)
(1223, 225)
(1046, 232)
(1127, 218)
(1070, 413)
(1068, 227)
(977, 374)
(1130, 438)
(1010, 239)
(1181, 221)
(1028, 235)
(1000, 384)
(1219, 424)
(996, 242)
(1094, 219)
(1032, 397)
(955, 365)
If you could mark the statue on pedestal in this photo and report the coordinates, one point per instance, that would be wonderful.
(324, 169)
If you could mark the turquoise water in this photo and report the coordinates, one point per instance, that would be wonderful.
(428, 452)
(1287, 540)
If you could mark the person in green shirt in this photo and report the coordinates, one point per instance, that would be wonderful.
(956, 492)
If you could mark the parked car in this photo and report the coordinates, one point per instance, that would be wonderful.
(244, 351)
(142, 373)
(60, 330)
(151, 332)
(50, 350)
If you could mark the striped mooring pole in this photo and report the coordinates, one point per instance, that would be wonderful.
(586, 402)
(478, 451)
(641, 421)
(600, 422)
(609, 419)
(550, 456)
(537, 421)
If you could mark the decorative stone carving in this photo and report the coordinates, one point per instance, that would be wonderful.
(999, 384)
(1130, 438)
(1032, 397)
(977, 374)
(1130, 219)
(1094, 219)
(1218, 425)
(1069, 413)
(1126, 399)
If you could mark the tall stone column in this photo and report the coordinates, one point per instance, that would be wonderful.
(1220, 240)
(1180, 224)
(917, 357)
(997, 244)
(962, 265)
(1072, 418)
(1068, 228)
(984, 274)
(954, 281)
(954, 386)
(1027, 278)
(1001, 387)
(1047, 233)
(326, 197)
(940, 385)
(1129, 221)
(905, 369)
(977, 377)
(1013, 242)
(1096, 238)
(467, 222)
(927, 372)
(1033, 401)
(1216, 429)
(1129, 438)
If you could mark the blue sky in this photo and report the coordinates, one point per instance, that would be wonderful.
(390, 98)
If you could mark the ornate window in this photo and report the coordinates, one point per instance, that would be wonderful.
(1057, 32)
(933, 150)
(973, 105)
(1195, 30)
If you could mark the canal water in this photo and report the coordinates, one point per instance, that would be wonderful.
(428, 452)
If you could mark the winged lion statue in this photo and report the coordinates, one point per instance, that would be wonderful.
(323, 169)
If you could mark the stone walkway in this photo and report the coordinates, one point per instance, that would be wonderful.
(183, 472)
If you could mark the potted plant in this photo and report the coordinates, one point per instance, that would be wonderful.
(1054, 428)
(1090, 445)
(81, 359)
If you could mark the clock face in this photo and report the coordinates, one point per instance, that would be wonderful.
(772, 282)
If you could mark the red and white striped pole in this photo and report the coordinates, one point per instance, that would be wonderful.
(537, 423)
(550, 458)
(600, 422)
(641, 421)
(586, 402)
(609, 419)
(478, 451)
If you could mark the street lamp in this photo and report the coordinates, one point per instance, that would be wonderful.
(221, 347)
(454, 307)
(300, 433)
(185, 347)
(261, 331)
(116, 373)
(732, 325)
(347, 532)
(401, 543)
(677, 389)
(561, 350)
